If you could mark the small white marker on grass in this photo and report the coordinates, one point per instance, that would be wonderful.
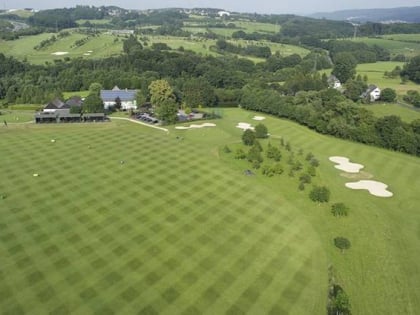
(35, 174)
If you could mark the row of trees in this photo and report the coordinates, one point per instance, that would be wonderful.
(329, 112)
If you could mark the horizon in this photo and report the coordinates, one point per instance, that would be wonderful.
(300, 7)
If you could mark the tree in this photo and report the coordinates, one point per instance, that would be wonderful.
(131, 45)
(339, 209)
(354, 89)
(412, 69)
(95, 88)
(117, 103)
(273, 153)
(261, 131)
(320, 194)
(344, 66)
(388, 95)
(342, 243)
(160, 91)
(93, 104)
(167, 111)
(248, 137)
(198, 91)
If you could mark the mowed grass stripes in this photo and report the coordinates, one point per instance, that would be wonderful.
(124, 219)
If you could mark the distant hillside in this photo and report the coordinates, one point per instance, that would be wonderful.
(403, 14)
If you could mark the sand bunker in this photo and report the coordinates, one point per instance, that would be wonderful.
(345, 165)
(90, 51)
(60, 53)
(375, 188)
(195, 126)
(244, 126)
(86, 54)
(258, 118)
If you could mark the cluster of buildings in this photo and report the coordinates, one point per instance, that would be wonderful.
(58, 111)
(372, 93)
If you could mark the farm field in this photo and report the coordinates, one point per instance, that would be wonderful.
(167, 223)
(384, 109)
(375, 73)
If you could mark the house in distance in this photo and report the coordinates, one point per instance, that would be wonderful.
(126, 97)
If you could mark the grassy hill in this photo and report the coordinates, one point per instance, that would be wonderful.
(178, 228)
(104, 45)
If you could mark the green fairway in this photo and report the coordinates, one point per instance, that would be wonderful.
(101, 46)
(125, 219)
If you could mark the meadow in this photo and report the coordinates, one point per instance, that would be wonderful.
(127, 219)
(375, 73)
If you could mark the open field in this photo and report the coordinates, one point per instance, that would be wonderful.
(176, 228)
(375, 73)
(246, 26)
(409, 49)
(384, 109)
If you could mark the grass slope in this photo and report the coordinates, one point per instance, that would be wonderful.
(375, 73)
(178, 228)
(101, 46)
(406, 113)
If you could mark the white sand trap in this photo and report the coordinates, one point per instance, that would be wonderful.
(244, 126)
(375, 188)
(36, 175)
(60, 53)
(195, 126)
(86, 54)
(258, 118)
(345, 165)
(52, 140)
(90, 51)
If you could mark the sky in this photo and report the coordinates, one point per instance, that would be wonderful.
(300, 7)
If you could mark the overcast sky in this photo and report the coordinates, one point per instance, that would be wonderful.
(259, 6)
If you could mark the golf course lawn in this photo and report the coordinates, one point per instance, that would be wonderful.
(127, 219)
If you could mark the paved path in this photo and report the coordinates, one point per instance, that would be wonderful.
(140, 123)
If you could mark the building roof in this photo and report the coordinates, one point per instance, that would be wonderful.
(74, 101)
(371, 88)
(124, 95)
(55, 104)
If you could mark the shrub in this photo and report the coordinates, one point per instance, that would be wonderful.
(305, 178)
(248, 137)
(320, 194)
(261, 131)
(339, 209)
(226, 149)
(342, 243)
(240, 154)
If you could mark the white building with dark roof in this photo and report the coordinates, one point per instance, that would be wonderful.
(127, 98)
